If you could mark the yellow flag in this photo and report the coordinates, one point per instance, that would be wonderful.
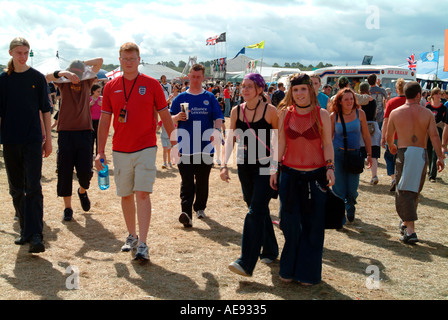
(256, 46)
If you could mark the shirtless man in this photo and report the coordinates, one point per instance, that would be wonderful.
(413, 124)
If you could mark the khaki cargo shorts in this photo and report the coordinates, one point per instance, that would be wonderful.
(134, 171)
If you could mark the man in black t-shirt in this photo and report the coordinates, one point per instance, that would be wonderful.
(24, 98)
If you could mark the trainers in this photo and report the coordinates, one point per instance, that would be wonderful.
(402, 228)
(200, 214)
(409, 238)
(185, 220)
(85, 202)
(235, 267)
(170, 165)
(68, 214)
(374, 181)
(267, 260)
(142, 252)
(130, 244)
(164, 165)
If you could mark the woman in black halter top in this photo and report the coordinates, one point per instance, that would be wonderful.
(251, 125)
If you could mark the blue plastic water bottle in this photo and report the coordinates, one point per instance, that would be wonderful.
(103, 176)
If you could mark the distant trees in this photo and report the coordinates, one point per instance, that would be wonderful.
(301, 66)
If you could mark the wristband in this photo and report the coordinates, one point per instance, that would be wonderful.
(56, 74)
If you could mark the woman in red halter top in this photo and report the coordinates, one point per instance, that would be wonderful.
(306, 150)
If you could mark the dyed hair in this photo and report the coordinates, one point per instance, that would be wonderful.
(16, 42)
(336, 105)
(400, 85)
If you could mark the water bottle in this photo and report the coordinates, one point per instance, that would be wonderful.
(103, 176)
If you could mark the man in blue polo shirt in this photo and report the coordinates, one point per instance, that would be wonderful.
(199, 117)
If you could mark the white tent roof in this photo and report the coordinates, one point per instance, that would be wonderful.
(50, 65)
(156, 71)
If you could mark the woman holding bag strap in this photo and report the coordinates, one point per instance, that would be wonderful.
(354, 117)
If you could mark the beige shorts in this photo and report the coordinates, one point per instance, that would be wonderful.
(134, 171)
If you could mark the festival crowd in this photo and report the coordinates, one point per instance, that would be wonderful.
(294, 141)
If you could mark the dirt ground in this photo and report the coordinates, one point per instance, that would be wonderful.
(365, 261)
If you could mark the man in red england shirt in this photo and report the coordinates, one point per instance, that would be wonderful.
(392, 104)
(131, 100)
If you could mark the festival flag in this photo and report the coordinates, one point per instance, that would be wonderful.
(242, 51)
(221, 38)
(432, 56)
(211, 41)
(256, 46)
(412, 63)
(114, 73)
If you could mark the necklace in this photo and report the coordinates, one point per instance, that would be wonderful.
(303, 107)
(253, 108)
(253, 118)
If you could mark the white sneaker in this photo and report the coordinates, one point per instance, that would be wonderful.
(170, 165)
(235, 267)
(142, 252)
(164, 165)
(201, 214)
(130, 244)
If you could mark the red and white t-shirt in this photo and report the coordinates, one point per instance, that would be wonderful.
(145, 96)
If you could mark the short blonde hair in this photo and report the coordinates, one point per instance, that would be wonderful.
(129, 46)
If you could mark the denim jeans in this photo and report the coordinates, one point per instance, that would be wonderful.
(258, 231)
(23, 164)
(303, 198)
(390, 161)
(346, 184)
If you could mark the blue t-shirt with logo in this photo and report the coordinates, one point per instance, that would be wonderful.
(193, 135)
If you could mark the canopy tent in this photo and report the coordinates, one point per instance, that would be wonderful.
(156, 71)
(51, 64)
(237, 68)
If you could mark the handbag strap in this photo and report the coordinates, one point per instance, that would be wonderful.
(253, 131)
(344, 131)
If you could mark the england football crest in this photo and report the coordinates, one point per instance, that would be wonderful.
(142, 90)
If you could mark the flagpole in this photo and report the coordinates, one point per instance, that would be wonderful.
(262, 55)
(437, 68)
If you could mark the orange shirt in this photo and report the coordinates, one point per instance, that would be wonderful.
(145, 95)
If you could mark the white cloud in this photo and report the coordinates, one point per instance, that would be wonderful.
(303, 30)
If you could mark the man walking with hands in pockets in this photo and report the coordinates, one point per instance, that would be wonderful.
(131, 100)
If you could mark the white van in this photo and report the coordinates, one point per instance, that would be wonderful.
(388, 75)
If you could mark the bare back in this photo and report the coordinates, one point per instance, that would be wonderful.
(413, 123)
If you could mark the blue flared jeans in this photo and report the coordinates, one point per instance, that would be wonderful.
(303, 198)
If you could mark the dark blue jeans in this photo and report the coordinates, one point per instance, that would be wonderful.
(258, 232)
(303, 197)
(23, 164)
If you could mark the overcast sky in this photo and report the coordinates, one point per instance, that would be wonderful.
(337, 32)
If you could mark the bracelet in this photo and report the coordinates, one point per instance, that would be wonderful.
(223, 167)
(56, 74)
(330, 167)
